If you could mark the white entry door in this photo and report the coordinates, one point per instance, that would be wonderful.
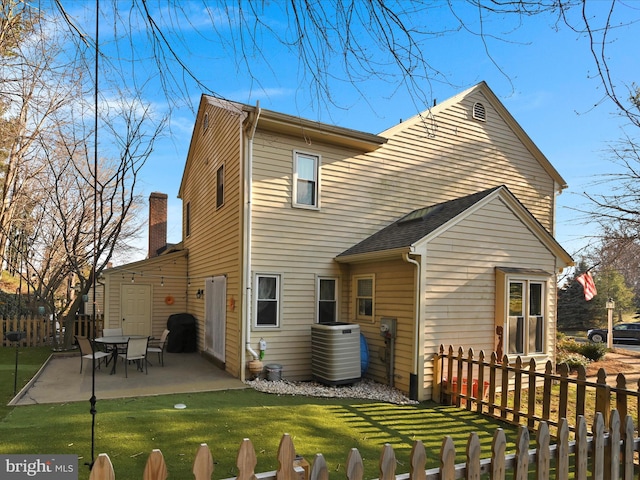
(215, 312)
(136, 309)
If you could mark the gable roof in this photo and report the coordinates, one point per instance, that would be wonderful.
(402, 235)
(492, 99)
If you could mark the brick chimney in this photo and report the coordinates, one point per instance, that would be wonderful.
(157, 223)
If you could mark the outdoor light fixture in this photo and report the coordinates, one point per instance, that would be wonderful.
(610, 307)
(199, 293)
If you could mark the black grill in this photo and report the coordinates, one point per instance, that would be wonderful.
(182, 333)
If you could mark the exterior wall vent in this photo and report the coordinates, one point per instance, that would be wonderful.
(479, 113)
(205, 122)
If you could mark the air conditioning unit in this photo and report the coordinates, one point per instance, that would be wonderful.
(335, 353)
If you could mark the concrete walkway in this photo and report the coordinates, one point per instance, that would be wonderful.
(60, 380)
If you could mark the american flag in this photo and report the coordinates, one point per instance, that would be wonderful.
(586, 280)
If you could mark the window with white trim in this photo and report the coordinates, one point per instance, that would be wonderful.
(524, 315)
(327, 295)
(267, 301)
(364, 297)
(306, 180)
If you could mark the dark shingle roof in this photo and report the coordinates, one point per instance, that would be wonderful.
(416, 225)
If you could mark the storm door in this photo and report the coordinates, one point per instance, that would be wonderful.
(215, 316)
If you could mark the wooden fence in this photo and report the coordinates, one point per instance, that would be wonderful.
(519, 393)
(600, 455)
(39, 331)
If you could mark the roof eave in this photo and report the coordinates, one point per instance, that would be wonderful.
(146, 262)
(319, 132)
(377, 255)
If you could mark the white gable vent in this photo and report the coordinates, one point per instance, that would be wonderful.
(479, 113)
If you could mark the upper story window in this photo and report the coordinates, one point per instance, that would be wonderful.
(187, 219)
(364, 293)
(306, 180)
(220, 186)
(327, 300)
(524, 318)
(267, 301)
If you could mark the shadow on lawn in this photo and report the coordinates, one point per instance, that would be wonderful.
(428, 422)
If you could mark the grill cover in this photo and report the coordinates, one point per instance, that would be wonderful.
(182, 333)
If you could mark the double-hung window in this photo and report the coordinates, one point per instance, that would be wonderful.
(327, 300)
(306, 180)
(267, 301)
(364, 297)
(524, 316)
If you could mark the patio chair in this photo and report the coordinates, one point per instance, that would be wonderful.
(136, 351)
(87, 351)
(160, 346)
(112, 332)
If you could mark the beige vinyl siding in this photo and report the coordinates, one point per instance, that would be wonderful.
(165, 274)
(393, 298)
(215, 238)
(461, 281)
(362, 193)
(449, 155)
(297, 244)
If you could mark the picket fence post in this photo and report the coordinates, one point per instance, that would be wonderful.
(155, 468)
(102, 468)
(355, 467)
(562, 450)
(498, 451)
(447, 459)
(203, 463)
(418, 461)
(246, 461)
(319, 470)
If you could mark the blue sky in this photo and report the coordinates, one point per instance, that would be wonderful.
(542, 71)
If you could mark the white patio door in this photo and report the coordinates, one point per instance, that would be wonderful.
(136, 309)
(215, 312)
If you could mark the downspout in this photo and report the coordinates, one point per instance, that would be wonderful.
(246, 241)
(417, 349)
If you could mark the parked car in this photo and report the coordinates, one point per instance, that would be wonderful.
(622, 333)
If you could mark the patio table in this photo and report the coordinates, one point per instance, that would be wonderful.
(114, 341)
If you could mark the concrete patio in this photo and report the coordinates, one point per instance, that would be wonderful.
(60, 380)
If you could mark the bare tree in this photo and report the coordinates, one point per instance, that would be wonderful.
(35, 89)
(63, 213)
(343, 43)
(85, 216)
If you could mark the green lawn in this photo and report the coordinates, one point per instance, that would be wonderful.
(129, 429)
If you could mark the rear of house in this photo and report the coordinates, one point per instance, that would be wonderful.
(289, 222)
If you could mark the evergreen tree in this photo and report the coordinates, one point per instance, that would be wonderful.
(574, 312)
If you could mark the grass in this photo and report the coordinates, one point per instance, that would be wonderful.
(128, 429)
(29, 362)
